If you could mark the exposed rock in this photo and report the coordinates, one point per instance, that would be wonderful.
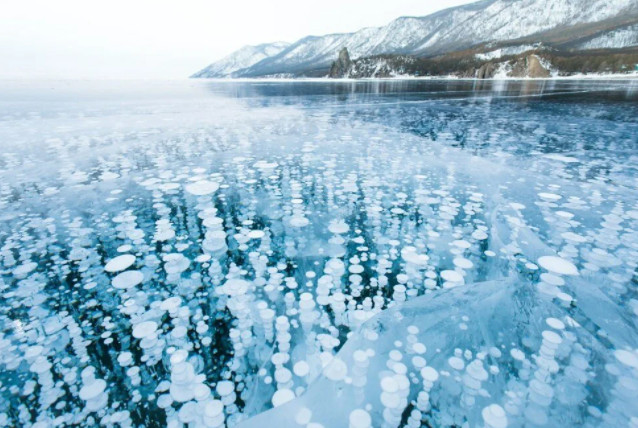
(533, 64)
(535, 68)
(530, 66)
(381, 66)
(486, 71)
(341, 67)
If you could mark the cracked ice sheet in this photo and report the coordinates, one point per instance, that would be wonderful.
(485, 327)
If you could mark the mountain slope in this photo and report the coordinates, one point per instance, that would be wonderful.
(241, 59)
(619, 38)
(504, 20)
(484, 23)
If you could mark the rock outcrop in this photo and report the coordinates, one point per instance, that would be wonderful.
(530, 66)
(342, 66)
(486, 71)
(524, 66)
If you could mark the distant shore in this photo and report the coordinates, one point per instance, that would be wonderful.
(624, 76)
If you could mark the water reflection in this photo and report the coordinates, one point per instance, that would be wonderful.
(381, 90)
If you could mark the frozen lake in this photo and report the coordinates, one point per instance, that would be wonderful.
(319, 254)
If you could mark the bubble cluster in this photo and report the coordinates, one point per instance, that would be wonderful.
(222, 264)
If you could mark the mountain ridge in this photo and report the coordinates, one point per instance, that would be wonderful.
(242, 58)
(486, 23)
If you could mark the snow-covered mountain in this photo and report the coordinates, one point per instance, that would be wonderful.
(619, 38)
(241, 59)
(485, 22)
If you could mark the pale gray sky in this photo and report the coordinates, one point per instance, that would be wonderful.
(93, 39)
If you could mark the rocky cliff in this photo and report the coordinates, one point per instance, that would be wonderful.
(534, 63)
(529, 66)
(524, 66)
(342, 66)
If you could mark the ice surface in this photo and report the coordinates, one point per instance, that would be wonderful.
(459, 322)
(306, 255)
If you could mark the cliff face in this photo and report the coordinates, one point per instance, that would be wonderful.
(534, 63)
(342, 66)
(530, 66)
(525, 65)
(486, 71)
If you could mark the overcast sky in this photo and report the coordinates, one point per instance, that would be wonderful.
(96, 39)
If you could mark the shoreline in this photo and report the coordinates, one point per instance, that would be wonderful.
(601, 77)
(628, 76)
